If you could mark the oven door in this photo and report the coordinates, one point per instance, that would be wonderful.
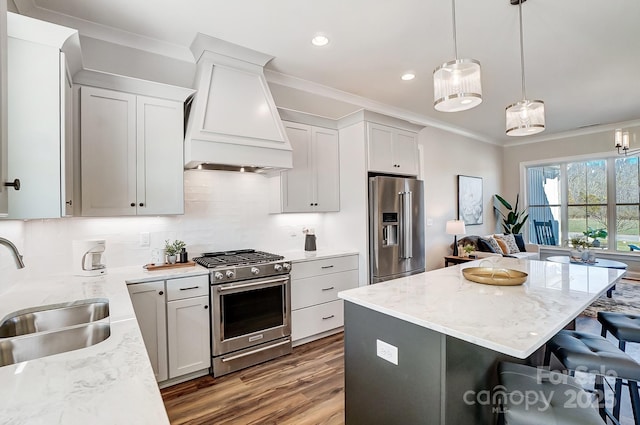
(249, 313)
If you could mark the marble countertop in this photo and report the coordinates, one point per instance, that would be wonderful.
(109, 383)
(299, 256)
(514, 320)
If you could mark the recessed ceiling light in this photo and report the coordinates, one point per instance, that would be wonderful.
(320, 40)
(408, 76)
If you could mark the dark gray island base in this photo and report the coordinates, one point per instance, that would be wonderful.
(438, 379)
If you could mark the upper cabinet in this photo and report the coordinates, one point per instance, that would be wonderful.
(391, 150)
(131, 154)
(4, 198)
(313, 185)
(41, 59)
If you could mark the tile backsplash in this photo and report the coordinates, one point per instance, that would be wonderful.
(223, 211)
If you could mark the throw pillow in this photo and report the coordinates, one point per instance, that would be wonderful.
(494, 245)
(520, 242)
(510, 241)
(485, 246)
(503, 246)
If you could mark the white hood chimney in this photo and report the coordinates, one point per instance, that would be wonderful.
(233, 121)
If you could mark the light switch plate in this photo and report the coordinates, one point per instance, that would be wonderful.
(144, 239)
(387, 351)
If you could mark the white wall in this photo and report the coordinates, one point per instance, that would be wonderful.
(446, 155)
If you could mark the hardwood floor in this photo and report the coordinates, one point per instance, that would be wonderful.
(305, 387)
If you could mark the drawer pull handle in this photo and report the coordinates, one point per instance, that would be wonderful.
(191, 287)
(329, 317)
(327, 267)
(328, 289)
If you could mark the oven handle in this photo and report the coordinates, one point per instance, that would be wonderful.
(249, 353)
(222, 288)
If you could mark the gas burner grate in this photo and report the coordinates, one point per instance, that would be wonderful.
(235, 258)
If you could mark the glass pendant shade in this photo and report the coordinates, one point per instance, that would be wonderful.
(457, 85)
(525, 118)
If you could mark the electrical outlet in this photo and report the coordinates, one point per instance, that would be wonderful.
(144, 239)
(429, 222)
(387, 352)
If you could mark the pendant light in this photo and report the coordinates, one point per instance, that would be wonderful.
(525, 117)
(456, 84)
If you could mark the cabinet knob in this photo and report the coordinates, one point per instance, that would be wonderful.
(69, 202)
(161, 293)
(133, 204)
(142, 204)
(206, 307)
(14, 184)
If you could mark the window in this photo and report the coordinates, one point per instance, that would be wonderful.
(600, 196)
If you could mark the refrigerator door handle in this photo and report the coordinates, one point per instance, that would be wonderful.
(406, 202)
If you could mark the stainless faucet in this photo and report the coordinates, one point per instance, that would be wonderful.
(16, 254)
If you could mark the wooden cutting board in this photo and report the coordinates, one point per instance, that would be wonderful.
(168, 266)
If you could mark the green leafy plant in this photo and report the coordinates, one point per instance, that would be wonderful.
(580, 242)
(595, 233)
(513, 220)
(173, 248)
(468, 248)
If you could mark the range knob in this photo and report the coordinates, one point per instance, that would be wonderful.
(286, 266)
(255, 270)
(218, 275)
(277, 267)
(230, 274)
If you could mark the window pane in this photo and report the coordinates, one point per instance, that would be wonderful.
(627, 226)
(627, 182)
(596, 182)
(544, 185)
(576, 183)
(577, 221)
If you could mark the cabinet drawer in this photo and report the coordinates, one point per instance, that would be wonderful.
(324, 266)
(321, 289)
(317, 319)
(187, 287)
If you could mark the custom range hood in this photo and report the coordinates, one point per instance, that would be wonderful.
(233, 123)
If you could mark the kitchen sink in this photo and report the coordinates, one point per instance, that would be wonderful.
(53, 317)
(40, 344)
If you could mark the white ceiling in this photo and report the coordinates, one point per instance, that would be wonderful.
(582, 56)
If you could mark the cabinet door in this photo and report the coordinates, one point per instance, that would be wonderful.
(148, 301)
(326, 169)
(160, 166)
(380, 148)
(66, 136)
(405, 152)
(4, 198)
(108, 152)
(297, 195)
(34, 129)
(188, 335)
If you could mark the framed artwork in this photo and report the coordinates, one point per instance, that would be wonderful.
(470, 200)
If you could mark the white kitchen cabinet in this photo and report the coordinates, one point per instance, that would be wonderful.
(188, 325)
(40, 121)
(392, 150)
(148, 301)
(4, 191)
(316, 309)
(313, 185)
(131, 154)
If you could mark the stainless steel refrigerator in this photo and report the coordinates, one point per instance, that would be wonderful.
(396, 227)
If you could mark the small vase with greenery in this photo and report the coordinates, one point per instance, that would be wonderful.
(595, 234)
(173, 248)
(513, 220)
(468, 249)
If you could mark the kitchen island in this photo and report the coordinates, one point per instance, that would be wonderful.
(424, 349)
(109, 383)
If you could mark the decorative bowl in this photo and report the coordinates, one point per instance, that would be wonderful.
(495, 276)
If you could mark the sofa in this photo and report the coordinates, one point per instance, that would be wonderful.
(481, 250)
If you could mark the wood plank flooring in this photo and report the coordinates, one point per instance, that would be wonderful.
(303, 388)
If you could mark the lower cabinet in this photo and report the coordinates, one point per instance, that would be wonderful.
(316, 309)
(174, 319)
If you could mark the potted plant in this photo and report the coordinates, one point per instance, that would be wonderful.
(172, 249)
(595, 234)
(513, 221)
(468, 249)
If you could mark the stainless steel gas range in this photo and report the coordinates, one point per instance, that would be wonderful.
(250, 294)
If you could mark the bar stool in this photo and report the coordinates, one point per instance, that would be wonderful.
(625, 327)
(585, 352)
(537, 396)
